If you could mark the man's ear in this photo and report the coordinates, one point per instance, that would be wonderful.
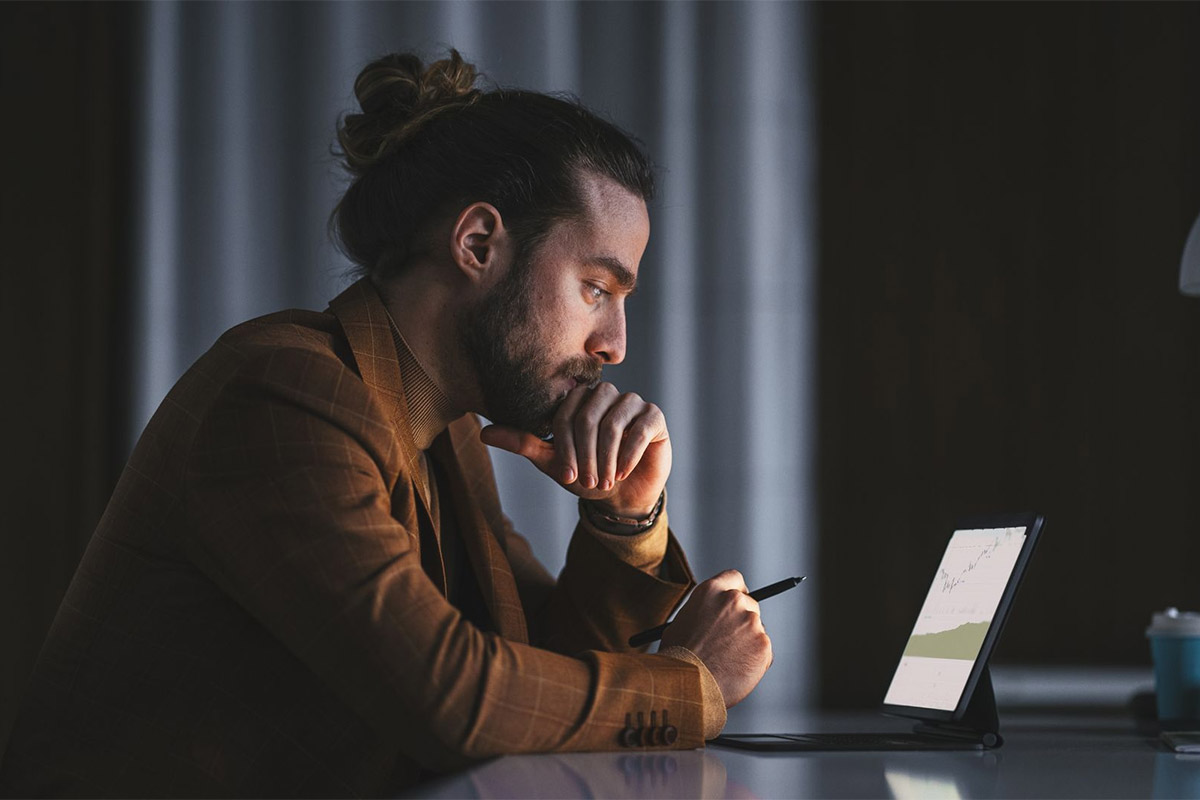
(479, 242)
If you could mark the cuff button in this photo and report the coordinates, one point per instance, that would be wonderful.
(670, 734)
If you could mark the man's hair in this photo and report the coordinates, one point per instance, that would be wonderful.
(428, 143)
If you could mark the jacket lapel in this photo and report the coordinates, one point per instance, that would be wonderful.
(361, 313)
(491, 566)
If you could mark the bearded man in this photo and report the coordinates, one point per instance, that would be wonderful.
(304, 583)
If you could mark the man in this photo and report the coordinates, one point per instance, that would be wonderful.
(304, 584)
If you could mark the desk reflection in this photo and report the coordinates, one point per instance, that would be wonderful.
(974, 776)
(676, 774)
(1083, 755)
(1176, 775)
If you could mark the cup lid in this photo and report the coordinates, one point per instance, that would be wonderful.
(1174, 622)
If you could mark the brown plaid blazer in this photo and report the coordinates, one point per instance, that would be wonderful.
(262, 611)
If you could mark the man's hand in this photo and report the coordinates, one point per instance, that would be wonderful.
(608, 447)
(721, 625)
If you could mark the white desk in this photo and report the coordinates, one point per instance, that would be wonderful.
(1090, 747)
(1066, 755)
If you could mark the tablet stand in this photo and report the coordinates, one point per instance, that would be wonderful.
(980, 723)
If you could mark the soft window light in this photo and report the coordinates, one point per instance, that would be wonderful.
(1189, 270)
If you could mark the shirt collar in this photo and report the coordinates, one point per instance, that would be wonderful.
(430, 411)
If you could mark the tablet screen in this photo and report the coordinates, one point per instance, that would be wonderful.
(955, 618)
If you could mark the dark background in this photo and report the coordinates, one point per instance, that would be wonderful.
(65, 73)
(1004, 194)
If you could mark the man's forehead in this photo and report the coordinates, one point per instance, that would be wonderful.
(603, 193)
(614, 227)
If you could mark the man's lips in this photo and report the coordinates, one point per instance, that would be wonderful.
(579, 380)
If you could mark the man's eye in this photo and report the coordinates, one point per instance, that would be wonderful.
(595, 293)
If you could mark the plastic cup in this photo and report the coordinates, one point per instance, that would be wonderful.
(1175, 646)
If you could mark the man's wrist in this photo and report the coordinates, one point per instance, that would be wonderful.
(607, 519)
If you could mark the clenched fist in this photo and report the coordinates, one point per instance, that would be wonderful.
(721, 625)
(610, 448)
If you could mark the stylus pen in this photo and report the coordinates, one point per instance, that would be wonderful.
(655, 633)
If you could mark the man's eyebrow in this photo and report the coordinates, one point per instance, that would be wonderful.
(626, 280)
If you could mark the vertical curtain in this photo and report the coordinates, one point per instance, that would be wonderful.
(235, 184)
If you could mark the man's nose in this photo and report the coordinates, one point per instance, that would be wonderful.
(608, 343)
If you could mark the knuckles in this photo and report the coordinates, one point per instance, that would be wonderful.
(728, 576)
(611, 425)
(732, 597)
(595, 409)
(639, 430)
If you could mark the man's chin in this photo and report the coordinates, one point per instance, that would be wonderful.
(541, 426)
(543, 431)
(527, 409)
(544, 428)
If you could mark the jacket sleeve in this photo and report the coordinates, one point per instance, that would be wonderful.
(291, 516)
(600, 599)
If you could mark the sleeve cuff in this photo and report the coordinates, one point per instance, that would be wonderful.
(714, 699)
(644, 550)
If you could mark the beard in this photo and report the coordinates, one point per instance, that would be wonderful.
(509, 355)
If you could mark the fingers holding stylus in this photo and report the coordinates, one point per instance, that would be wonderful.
(721, 624)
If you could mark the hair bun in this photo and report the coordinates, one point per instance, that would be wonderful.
(398, 94)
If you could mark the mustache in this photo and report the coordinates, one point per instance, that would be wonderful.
(584, 370)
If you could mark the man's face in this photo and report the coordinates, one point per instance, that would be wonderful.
(558, 316)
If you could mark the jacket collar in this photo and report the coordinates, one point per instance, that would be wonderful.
(364, 320)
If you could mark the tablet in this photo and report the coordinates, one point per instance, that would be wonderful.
(942, 679)
(962, 616)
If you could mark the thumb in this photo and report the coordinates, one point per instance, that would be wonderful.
(523, 443)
